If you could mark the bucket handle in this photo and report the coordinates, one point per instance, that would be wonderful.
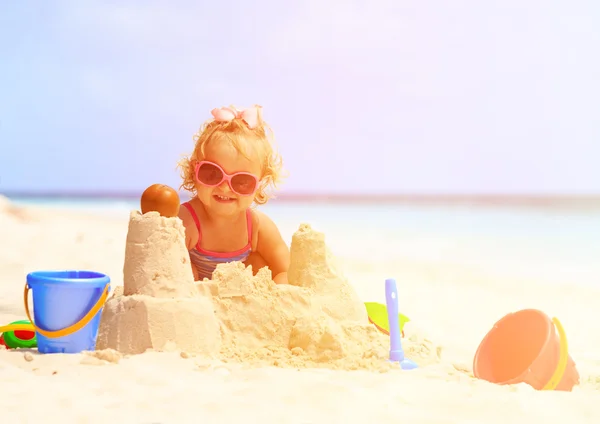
(72, 328)
(559, 372)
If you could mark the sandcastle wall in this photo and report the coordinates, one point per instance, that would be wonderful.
(316, 320)
(159, 307)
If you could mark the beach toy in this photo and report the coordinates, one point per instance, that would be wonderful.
(17, 326)
(67, 307)
(378, 316)
(18, 338)
(396, 351)
(526, 347)
(162, 199)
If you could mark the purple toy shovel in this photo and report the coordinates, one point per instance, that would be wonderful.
(396, 352)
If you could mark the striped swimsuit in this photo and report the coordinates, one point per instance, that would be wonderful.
(205, 261)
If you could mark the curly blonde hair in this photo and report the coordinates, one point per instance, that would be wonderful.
(238, 133)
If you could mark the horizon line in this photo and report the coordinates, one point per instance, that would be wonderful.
(506, 199)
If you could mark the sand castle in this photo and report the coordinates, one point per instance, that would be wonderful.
(316, 320)
(159, 305)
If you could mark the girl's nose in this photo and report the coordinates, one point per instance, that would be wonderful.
(224, 186)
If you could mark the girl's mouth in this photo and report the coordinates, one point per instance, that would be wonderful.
(223, 199)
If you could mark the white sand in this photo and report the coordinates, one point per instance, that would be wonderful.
(450, 305)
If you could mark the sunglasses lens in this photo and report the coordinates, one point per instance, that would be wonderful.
(243, 184)
(209, 174)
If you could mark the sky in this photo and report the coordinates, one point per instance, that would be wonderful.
(365, 97)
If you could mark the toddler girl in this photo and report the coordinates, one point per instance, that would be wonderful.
(231, 168)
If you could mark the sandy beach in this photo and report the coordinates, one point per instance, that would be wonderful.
(451, 306)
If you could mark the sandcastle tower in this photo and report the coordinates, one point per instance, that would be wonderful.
(313, 266)
(159, 307)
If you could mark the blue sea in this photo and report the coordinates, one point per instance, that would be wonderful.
(560, 243)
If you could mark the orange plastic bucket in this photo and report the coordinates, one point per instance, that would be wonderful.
(526, 347)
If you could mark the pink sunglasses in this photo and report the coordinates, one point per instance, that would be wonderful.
(212, 175)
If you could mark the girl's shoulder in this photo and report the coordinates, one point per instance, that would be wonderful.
(255, 220)
(262, 227)
(189, 219)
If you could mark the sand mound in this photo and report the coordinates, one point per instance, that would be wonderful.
(12, 212)
(315, 321)
(159, 307)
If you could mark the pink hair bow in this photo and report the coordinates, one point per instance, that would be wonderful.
(250, 115)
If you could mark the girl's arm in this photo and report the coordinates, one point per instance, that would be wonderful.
(272, 248)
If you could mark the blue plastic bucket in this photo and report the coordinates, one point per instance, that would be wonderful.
(66, 307)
